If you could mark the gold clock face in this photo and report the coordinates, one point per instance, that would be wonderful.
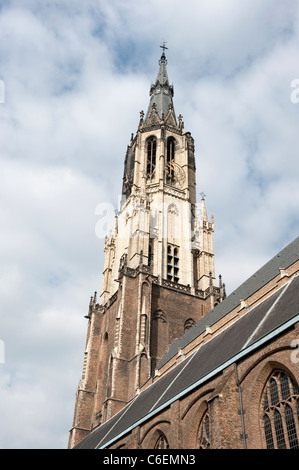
(175, 172)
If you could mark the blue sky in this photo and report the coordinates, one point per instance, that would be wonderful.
(76, 76)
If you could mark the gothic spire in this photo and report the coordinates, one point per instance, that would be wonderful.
(161, 92)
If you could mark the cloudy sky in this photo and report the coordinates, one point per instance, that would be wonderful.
(74, 76)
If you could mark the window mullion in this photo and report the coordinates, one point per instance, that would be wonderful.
(271, 417)
(282, 409)
(278, 382)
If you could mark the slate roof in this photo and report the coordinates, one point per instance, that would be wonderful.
(257, 327)
(282, 260)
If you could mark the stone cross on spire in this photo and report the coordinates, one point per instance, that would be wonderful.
(164, 46)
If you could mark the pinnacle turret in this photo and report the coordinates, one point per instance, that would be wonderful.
(203, 211)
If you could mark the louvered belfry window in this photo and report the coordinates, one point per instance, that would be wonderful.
(170, 158)
(280, 413)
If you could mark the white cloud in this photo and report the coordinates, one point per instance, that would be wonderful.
(76, 75)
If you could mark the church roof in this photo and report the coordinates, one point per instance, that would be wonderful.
(254, 329)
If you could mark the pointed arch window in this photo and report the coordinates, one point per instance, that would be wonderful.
(204, 441)
(170, 149)
(280, 414)
(170, 156)
(151, 157)
(158, 338)
(189, 324)
(161, 443)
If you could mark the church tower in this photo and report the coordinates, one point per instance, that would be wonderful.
(159, 276)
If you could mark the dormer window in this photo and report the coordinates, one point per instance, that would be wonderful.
(151, 157)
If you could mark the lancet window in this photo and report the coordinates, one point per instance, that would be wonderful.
(172, 263)
(170, 155)
(151, 157)
(204, 432)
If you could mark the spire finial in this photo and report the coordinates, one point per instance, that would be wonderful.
(164, 45)
(163, 57)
